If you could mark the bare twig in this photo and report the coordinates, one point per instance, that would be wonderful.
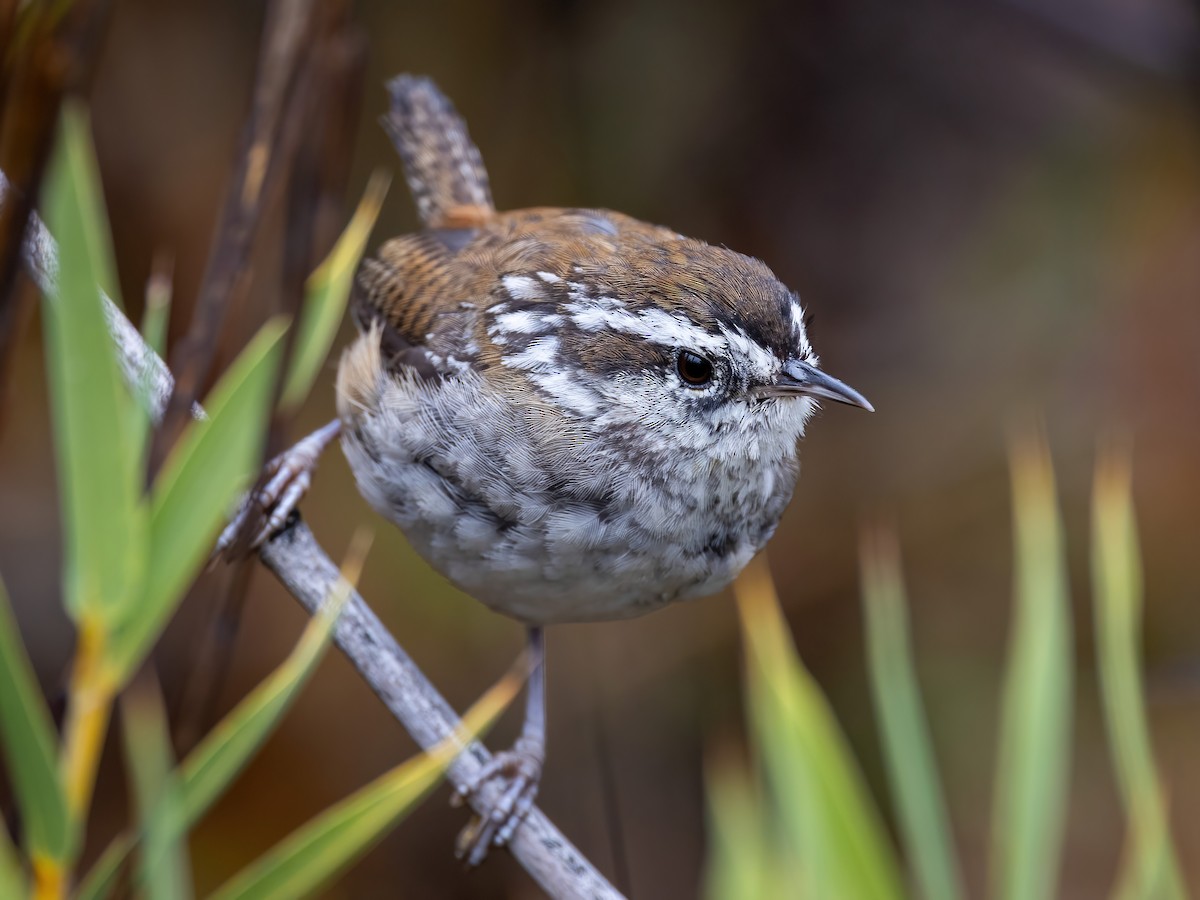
(308, 574)
(140, 365)
(286, 35)
(318, 130)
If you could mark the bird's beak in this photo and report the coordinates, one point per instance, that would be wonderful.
(801, 378)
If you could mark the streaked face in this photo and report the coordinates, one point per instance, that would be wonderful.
(682, 350)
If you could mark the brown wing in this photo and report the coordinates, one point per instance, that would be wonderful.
(430, 291)
(403, 289)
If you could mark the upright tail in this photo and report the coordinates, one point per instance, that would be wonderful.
(442, 165)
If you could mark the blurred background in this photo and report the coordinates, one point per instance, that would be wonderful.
(993, 210)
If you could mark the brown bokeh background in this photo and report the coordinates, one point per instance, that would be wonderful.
(993, 211)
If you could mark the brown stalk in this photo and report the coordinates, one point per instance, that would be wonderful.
(318, 138)
(261, 160)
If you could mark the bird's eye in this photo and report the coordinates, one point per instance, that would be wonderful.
(694, 369)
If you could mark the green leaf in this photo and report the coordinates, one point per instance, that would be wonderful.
(744, 859)
(30, 746)
(13, 882)
(164, 872)
(99, 479)
(101, 879)
(826, 810)
(326, 293)
(157, 315)
(316, 853)
(908, 753)
(1033, 766)
(193, 493)
(216, 761)
(1151, 865)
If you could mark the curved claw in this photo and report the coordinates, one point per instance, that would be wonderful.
(263, 512)
(521, 771)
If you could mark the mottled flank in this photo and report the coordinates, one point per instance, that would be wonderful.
(515, 405)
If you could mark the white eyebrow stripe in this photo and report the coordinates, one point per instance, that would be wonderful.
(669, 330)
(655, 325)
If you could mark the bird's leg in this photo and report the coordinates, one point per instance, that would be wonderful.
(287, 477)
(518, 770)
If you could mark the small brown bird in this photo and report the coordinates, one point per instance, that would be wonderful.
(573, 415)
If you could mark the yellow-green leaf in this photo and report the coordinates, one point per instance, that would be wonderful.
(101, 879)
(216, 761)
(908, 754)
(99, 481)
(744, 858)
(1033, 765)
(13, 882)
(326, 293)
(163, 871)
(30, 747)
(205, 471)
(824, 806)
(1151, 867)
(316, 853)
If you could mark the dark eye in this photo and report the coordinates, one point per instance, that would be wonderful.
(693, 368)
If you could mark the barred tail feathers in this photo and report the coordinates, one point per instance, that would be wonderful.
(442, 165)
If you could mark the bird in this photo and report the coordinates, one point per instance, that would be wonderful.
(571, 414)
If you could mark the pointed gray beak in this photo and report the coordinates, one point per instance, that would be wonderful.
(801, 378)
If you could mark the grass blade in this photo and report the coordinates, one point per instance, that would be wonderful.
(823, 803)
(317, 852)
(101, 879)
(216, 761)
(30, 746)
(13, 882)
(99, 481)
(156, 317)
(326, 293)
(224, 752)
(212, 462)
(1152, 866)
(164, 872)
(1033, 767)
(743, 858)
(908, 753)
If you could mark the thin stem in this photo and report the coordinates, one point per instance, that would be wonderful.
(49, 879)
(89, 708)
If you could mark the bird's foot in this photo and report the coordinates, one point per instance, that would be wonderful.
(517, 772)
(264, 511)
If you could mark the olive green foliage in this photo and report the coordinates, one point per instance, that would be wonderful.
(131, 553)
(801, 823)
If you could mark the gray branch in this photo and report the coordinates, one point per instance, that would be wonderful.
(144, 372)
(309, 575)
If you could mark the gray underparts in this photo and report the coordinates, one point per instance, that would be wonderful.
(612, 529)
